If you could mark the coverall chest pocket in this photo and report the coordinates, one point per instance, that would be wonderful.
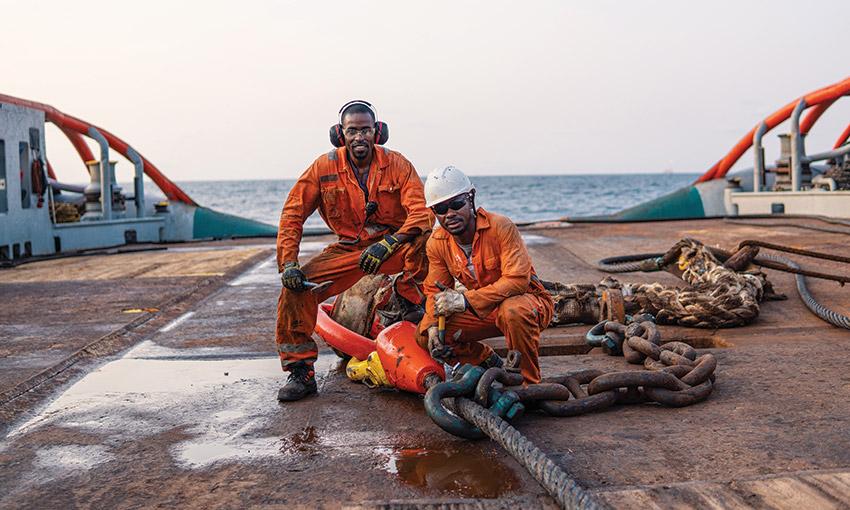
(389, 202)
(492, 270)
(334, 200)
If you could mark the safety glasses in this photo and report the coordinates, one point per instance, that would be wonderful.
(454, 204)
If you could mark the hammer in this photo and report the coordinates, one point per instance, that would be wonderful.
(318, 288)
(446, 351)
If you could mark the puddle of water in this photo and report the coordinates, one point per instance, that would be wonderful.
(71, 457)
(459, 470)
(200, 454)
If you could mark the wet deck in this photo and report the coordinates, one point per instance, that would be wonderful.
(149, 379)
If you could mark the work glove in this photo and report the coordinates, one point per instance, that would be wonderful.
(434, 343)
(292, 277)
(375, 255)
(449, 302)
(436, 348)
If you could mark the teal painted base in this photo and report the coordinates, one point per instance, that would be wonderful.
(684, 203)
(216, 225)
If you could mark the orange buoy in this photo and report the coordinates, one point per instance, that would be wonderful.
(405, 363)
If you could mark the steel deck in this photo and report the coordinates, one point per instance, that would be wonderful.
(149, 379)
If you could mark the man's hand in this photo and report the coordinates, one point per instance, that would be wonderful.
(375, 255)
(436, 348)
(292, 277)
(449, 302)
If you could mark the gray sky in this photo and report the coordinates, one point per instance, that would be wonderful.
(234, 90)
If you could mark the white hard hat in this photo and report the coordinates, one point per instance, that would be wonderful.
(444, 183)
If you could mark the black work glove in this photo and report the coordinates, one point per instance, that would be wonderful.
(375, 255)
(292, 277)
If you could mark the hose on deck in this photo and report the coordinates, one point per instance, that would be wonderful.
(642, 262)
(830, 316)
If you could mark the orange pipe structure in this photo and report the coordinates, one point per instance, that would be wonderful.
(843, 138)
(813, 116)
(825, 94)
(341, 338)
(79, 144)
(73, 124)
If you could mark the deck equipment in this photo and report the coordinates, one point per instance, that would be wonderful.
(42, 217)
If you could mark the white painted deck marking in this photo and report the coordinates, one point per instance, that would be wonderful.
(176, 322)
(534, 239)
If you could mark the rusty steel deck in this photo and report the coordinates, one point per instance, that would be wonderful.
(149, 379)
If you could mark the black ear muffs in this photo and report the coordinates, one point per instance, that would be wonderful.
(337, 138)
(382, 134)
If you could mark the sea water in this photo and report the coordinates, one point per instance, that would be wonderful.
(521, 197)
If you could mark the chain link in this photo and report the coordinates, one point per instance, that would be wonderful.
(675, 375)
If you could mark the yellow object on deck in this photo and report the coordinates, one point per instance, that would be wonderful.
(370, 371)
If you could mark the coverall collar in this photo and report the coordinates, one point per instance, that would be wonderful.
(379, 157)
(482, 222)
(482, 219)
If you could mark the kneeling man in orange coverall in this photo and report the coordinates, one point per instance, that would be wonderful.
(372, 198)
(485, 252)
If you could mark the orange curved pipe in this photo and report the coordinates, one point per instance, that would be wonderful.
(341, 338)
(171, 190)
(843, 138)
(79, 144)
(829, 93)
(813, 116)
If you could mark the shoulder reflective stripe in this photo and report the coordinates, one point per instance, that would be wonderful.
(297, 348)
(332, 155)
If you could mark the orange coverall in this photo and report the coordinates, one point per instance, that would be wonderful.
(506, 299)
(330, 185)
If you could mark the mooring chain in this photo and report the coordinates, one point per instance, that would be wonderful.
(475, 403)
(675, 376)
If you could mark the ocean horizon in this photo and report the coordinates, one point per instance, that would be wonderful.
(523, 198)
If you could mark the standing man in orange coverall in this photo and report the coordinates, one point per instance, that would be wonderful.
(372, 198)
(485, 252)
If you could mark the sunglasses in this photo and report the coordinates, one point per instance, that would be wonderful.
(455, 205)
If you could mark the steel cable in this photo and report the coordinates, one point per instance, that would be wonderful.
(645, 262)
(566, 491)
(830, 316)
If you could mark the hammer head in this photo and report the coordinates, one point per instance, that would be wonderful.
(318, 288)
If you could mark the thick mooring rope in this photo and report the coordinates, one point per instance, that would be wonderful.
(717, 296)
(655, 296)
